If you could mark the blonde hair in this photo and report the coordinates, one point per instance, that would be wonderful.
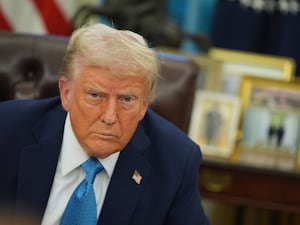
(122, 52)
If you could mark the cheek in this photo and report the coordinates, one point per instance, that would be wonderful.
(83, 120)
(128, 126)
(130, 121)
(84, 112)
(81, 112)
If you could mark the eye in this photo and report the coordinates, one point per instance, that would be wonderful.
(127, 99)
(93, 95)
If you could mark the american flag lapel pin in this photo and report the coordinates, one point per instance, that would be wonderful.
(136, 176)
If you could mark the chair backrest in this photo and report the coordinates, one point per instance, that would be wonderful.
(30, 64)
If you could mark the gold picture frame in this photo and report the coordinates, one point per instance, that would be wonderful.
(269, 123)
(209, 69)
(237, 63)
(214, 123)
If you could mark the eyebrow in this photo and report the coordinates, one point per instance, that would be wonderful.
(126, 91)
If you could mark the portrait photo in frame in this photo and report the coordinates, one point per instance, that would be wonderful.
(214, 123)
(270, 123)
(237, 63)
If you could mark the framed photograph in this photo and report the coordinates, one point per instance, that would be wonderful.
(270, 123)
(209, 69)
(236, 64)
(210, 72)
(214, 123)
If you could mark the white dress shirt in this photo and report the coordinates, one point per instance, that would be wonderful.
(69, 174)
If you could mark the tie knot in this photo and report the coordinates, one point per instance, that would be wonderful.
(91, 167)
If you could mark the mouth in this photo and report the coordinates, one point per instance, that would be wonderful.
(106, 136)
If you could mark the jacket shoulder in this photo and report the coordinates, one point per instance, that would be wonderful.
(21, 112)
(155, 124)
(24, 107)
(164, 134)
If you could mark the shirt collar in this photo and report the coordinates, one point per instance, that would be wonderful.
(72, 154)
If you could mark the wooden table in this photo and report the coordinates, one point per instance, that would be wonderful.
(246, 185)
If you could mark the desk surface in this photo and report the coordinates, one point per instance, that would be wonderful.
(243, 184)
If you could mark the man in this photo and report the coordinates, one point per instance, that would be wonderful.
(148, 170)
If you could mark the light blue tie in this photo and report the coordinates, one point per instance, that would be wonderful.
(82, 208)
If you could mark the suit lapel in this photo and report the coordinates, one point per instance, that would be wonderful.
(123, 192)
(38, 163)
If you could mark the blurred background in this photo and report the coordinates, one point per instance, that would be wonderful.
(263, 26)
(193, 26)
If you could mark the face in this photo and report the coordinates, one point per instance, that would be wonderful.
(104, 110)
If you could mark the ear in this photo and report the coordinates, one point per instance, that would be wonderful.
(65, 92)
(144, 109)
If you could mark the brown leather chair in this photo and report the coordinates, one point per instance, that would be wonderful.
(30, 64)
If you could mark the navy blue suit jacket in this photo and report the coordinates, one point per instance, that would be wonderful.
(30, 142)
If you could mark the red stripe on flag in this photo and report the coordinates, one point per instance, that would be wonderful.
(53, 17)
(4, 24)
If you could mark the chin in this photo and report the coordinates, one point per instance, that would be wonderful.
(101, 151)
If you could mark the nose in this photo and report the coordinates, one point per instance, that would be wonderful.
(109, 112)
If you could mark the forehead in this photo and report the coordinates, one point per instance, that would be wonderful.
(99, 77)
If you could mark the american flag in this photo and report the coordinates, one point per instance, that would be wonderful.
(137, 177)
(38, 16)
